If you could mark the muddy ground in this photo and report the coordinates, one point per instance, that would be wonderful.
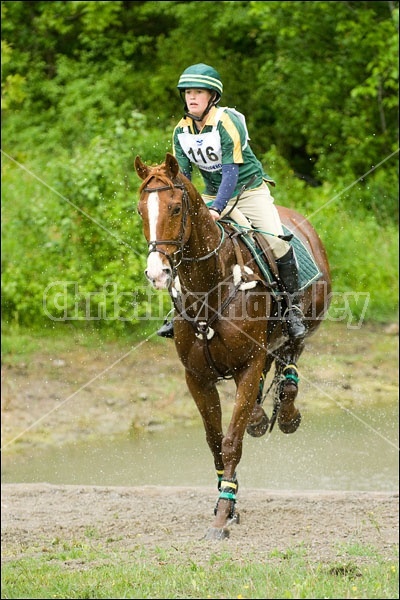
(79, 391)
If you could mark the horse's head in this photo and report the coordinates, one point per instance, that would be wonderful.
(164, 209)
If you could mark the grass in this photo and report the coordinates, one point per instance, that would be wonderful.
(85, 570)
(19, 343)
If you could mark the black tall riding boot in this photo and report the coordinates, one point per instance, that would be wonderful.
(289, 275)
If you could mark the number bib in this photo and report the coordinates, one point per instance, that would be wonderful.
(203, 149)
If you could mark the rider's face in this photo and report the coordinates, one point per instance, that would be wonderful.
(197, 100)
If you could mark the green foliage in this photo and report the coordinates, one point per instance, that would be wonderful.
(363, 254)
(364, 264)
(331, 84)
(88, 85)
(85, 249)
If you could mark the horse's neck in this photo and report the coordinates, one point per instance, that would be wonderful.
(205, 236)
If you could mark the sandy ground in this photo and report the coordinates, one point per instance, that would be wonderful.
(61, 394)
(322, 523)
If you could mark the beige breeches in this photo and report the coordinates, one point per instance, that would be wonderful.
(257, 206)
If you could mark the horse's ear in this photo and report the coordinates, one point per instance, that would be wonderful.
(141, 169)
(171, 165)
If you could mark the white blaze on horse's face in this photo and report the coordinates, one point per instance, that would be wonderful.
(157, 272)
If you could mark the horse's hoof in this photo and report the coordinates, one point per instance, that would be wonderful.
(258, 429)
(289, 426)
(217, 534)
(258, 422)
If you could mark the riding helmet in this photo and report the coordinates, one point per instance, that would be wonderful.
(201, 76)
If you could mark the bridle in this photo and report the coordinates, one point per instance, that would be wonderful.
(201, 327)
(153, 245)
(176, 258)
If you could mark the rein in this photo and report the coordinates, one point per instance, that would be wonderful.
(210, 254)
(153, 244)
(202, 327)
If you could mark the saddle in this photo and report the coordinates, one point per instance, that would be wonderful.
(261, 251)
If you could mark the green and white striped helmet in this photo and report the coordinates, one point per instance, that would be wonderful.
(201, 76)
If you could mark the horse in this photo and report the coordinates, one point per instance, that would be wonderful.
(228, 321)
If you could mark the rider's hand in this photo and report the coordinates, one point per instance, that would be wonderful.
(215, 215)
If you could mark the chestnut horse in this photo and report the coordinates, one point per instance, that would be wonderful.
(227, 321)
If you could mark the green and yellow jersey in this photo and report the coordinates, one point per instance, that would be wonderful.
(222, 141)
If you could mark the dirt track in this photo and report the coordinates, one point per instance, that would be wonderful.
(323, 523)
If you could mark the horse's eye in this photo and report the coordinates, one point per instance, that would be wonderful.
(139, 212)
(176, 210)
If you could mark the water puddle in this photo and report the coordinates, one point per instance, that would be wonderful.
(334, 450)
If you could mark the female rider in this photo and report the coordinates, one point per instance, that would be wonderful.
(215, 140)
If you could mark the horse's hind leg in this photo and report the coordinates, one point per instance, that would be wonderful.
(289, 417)
(259, 422)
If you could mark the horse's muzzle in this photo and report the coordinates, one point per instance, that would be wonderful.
(160, 283)
(157, 272)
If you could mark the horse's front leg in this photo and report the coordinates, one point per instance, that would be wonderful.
(247, 383)
(206, 397)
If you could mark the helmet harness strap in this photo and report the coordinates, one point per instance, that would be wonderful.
(212, 102)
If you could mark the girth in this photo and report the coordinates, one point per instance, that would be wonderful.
(203, 328)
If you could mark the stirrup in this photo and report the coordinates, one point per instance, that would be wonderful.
(294, 322)
(167, 329)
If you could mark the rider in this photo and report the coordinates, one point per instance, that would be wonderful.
(215, 140)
